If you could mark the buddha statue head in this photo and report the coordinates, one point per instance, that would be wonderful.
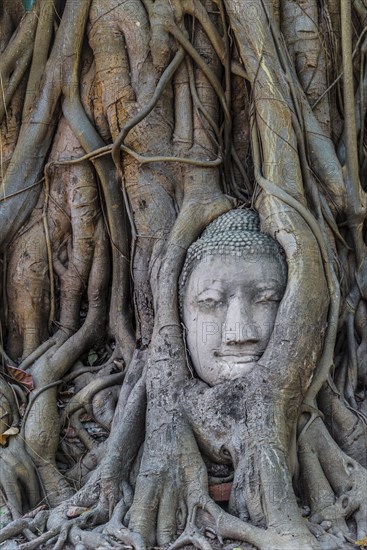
(231, 284)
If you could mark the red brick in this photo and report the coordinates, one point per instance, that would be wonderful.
(220, 493)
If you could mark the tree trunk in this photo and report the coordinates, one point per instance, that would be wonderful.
(126, 129)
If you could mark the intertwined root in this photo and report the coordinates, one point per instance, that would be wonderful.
(334, 484)
(175, 497)
(133, 43)
(210, 517)
(18, 478)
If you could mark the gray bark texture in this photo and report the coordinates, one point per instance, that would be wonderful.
(127, 127)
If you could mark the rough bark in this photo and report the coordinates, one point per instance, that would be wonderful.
(126, 128)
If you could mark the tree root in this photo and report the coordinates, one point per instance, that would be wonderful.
(16, 58)
(192, 536)
(228, 526)
(103, 485)
(206, 515)
(36, 543)
(83, 398)
(334, 483)
(89, 539)
(19, 525)
(61, 529)
(115, 528)
(82, 401)
(148, 48)
(38, 130)
(347, 427)
(18, 477)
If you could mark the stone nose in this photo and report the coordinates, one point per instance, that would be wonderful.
(239, 326)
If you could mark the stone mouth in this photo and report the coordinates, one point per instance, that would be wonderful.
(239, 357)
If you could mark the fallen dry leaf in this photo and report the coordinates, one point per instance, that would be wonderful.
(4, 436)
(75, 511)
(21, 376)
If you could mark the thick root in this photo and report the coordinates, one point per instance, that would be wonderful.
(335, 483)
(19, 525)
(194, 537)
(18, 478)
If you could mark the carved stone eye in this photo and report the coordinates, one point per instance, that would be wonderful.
(210, 303)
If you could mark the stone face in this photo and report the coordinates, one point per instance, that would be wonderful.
(230, 301)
